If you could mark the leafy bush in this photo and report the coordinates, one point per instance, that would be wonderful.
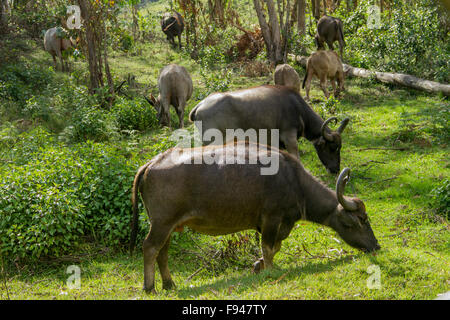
(441, 198)
(134, 114)
(215, 82)
(18, 82)
(410, 40)
(63, 194)
(90, 123)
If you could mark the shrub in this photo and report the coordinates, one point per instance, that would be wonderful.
(411, 40)
(63, 194)
(18, 82)
(134, 114)
(441, 198)
(90, 123)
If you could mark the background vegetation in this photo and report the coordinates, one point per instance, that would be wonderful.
(69, 152)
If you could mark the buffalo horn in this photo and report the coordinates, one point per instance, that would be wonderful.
(344, 123)
(340, 186)
(325, 134)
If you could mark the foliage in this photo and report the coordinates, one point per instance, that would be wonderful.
(61, 194)
(440, 197)
(411, 39)
(91, 123)
(215, 81)
(39, 15)
(134, 114)
(19, 81)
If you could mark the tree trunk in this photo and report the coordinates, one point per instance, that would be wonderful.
(275, 32)
(135, 26)
(401, 79)
(301, 16)
(4, 16)
(316, 9)
(324, 6)
(92, 47)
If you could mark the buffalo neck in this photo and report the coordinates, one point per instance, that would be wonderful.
(318, 201)
(312, 122)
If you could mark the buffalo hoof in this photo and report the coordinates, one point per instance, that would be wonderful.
(258, 265)
(168, 284)
(149, 290)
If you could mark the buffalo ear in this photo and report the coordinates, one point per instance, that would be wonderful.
(348, 219)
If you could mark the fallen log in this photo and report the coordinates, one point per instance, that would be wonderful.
(401, 79)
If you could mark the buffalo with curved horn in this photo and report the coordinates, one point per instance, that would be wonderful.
(271, 107)
(231, 194)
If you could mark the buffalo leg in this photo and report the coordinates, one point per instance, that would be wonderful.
(180, 113)
(165, 111)
(153, 243)
(340, 79)
(270, 245)
(323, 85)
(163, 265)
(179, 40)
(62, 61)
(333, 84)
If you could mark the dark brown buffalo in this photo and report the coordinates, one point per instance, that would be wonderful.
(230, 196)
(329, 30)
(272, 107)
(172, 24)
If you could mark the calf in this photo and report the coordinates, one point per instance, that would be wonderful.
(324, 65)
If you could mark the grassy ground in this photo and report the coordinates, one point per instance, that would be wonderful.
(395, 164)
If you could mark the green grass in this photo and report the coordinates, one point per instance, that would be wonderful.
(313, 262)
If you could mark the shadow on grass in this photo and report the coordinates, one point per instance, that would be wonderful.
(250, 280)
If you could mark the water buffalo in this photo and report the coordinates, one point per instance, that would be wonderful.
(329, 30)
(231, 195)
(56, 44)
(324, 65)
(272, 107)
(285, 75)
(172, 24)
(175, 88)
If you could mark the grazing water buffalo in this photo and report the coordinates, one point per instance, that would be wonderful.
(324, 65)
(231, 195)
(55, 44)
(175, 88)
(172, 24)
(285, 75)
(329, 30)
(272, 107)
